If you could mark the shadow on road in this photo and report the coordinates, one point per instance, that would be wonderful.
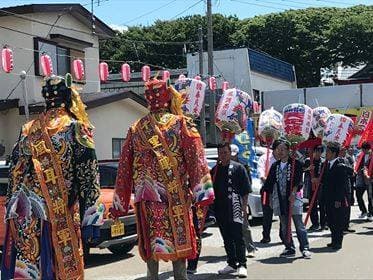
(213, 259)
(278, 260)
(198, 276)
(94, 260)
(322, 250)
(267, 245)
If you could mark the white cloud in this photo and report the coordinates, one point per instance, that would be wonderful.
(120, 28)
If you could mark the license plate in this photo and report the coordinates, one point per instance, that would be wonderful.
(117, 229)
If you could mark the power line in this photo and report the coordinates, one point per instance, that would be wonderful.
(259, 5)
(150, 12)
(187, 9)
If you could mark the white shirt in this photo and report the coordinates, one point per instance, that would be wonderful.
(332, 162)
(262, 163)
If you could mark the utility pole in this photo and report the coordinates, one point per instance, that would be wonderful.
(203, 114)
(210, 52)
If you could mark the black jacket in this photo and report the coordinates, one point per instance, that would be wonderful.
(297, 179)
(336, 182)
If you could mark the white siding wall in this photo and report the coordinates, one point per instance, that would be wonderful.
(263, 82)
(113, 121)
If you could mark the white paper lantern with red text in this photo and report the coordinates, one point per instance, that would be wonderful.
(212, 83)
(193, 93)
(338, 129)
(232, 112)
(46, 65)
(270, 125)
(197, 77)
(319, 117)
(145, 73)
(7, 59)
(126, 72)
(104, 71)
(78, 69)
(297, 122)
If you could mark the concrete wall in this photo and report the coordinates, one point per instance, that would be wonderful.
(113, 121)
(11, 126)
(24, 58)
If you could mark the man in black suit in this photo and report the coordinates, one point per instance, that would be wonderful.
(335, 182)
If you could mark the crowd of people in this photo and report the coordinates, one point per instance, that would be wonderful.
(53, 194)
(329, 178)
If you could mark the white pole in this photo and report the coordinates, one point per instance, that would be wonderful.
(23, 76)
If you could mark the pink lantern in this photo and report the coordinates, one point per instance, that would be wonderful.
(78, 69)
(182, 77)
(145, 73)
(126, 72)
(104, 71)
(46, 65)
(197, 77)
(225, 85)
(212, 83)
(166, 75)
(7, 59)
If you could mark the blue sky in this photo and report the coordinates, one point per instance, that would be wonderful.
(145, 12)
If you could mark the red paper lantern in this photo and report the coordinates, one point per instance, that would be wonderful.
(212, 83)
(7, 59)
(166, 75)
(126, 72)
(104, 71)
(46, 65)
(182, 77)
(197, 77)
(225, 85)
(145, 73)
(78, 69)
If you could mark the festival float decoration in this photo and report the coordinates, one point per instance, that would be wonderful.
(232, 112)
(319, 117)
(212, 83)
(193, 93)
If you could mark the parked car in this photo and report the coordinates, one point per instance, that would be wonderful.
(118, 237)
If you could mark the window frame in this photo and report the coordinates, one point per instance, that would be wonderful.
(112, 146)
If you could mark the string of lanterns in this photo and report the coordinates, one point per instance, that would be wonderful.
(79, 73)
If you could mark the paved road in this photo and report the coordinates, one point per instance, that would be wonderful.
(354, 261)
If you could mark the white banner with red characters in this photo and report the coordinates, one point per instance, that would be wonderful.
(363, 121)
(270, 125)
(319, 117)
(297, 122)
(338, 129)
(193, 92)
(232, 112)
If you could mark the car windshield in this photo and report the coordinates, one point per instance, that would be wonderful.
(108, 175)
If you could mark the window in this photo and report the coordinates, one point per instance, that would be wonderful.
(59, 55)
(108, 176)
(256, 94)
(117, 147)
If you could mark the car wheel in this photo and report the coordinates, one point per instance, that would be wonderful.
(121, 249)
